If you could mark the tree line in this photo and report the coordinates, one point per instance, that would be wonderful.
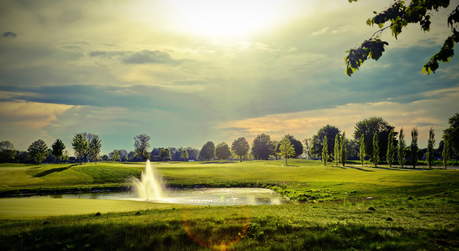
(374, 140)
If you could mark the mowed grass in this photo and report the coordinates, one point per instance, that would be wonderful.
(350, 208)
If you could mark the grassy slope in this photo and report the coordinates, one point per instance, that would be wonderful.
(413, 209)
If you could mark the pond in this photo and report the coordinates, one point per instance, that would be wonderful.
(201, 196)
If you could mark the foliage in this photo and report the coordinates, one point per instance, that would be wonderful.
(453, 134)
(325, 150)
(446, 153)
(286, 149)
(38, 151)
(369, 127)
(390, 148)
(240, 147)
(141, 145)
(94, 148)
(375, 153)
(207, 151)
(223, 151)
(262, 147)
(399, 15)
(308, 148)
(401, 149)
(164, 154)
(80, 147)
(318, 139)
(342, 151)
(7, 152)
(115, 155)
(58, 148)
(362, 153)
(297, 145)
(337, 149)
(414, 147)
(430, 147)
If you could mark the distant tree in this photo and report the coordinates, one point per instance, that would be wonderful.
(58, 149)
(414, 147)
(337, 149)
(184, 154)
(123, 155)
(352, 149)
(165, 154)
(222, 151)
(7, 152)
(453, 134)
(286, 149)
(207, 151)
(375, 149)
(240, 147)
(318, 139)
(262, 147)
(297, 145)
(390, 148)
(362, 153)
(105, 157)
(430, 147)
(38, 151)
(276, 152)
(192, 153)
(369, 127)
(325, 150)
(95, 144)
(446, 152)
(115, 155)
(342, 151)
(399, 15)
(401, 148)
(141, 145)
(81, 147)
(308, 148)
(132, 155)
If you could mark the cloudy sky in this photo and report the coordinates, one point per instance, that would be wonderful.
(188, 71)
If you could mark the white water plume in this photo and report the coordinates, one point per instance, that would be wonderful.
(149, 186)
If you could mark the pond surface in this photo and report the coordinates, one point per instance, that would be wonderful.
(202, 196)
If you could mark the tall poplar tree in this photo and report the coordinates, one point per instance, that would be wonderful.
(325, 151)
(375, 155)
(414, 147)
(342, 150)
(401, 148)
(336, 149)
(430, 147)
(446, 150)
(362, 152)
(390, 148)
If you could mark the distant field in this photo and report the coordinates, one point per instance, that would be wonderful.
(340, 208)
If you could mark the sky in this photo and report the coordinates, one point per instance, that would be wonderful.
(189, 71)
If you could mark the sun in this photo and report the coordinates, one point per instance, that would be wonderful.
(226, 18)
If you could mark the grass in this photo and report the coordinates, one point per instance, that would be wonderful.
(344, 209)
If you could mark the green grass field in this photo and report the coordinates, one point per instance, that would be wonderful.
(337, 208)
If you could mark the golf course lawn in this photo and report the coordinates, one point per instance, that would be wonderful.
(331, 208)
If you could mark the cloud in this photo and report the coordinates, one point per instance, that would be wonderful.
(423, 114)
(9, 34)
(137, 57)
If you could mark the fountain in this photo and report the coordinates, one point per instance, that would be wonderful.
(149, 186)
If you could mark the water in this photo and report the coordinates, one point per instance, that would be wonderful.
(151, 188)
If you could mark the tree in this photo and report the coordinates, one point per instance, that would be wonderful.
(240, 147)
(336, 149)
(362, 153)
(7, 152)
(38, 151)
(262, 147)
(207, 151)
(369, 127)
(308, 148)
(81, 147)
(318, 139)
(141, 145)
(192, 153)
(401, 148)
(430, 147)
(286, 149)
(375, 153)
(115, 155)
(223, 151)
(325, 151)
(396, 17)
(414, 147)
(446, 150)
(390, 148)
(453, 134)
(94, 148)
(58, 148)
(184, 156)
(297, 145)
(165, 154)
(342, 151)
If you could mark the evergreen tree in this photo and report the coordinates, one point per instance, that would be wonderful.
(390, 148)
(375, 155)
(342, 151)
(325, 151)
(414, 147)
(286, 149)
(362, 149)
(401, 148)
(430, 147)
(58, 149)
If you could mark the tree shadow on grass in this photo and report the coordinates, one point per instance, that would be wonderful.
(53, 170)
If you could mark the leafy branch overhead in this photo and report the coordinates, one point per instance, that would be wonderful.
(395, 18)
